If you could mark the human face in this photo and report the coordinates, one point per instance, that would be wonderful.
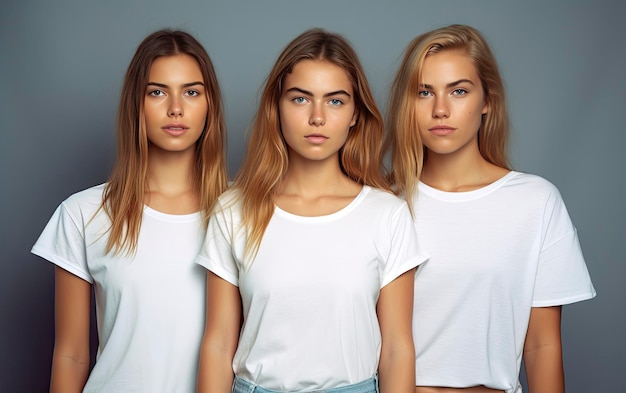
(316, 110)
(450, 104)
(175, 106)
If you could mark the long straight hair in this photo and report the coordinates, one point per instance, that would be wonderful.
(124, 194)
(266, 161)
(403, 139)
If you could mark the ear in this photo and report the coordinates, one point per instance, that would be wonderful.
(485, 107)
(355, 117)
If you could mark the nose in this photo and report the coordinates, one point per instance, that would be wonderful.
(317, 116)
(441, 109)
(175, 108)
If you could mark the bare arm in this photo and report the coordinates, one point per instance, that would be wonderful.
(542, 351)
(221, 335)
(396, 369)
(70, 360)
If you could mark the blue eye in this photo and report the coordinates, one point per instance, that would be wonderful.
(423, 93)
(459, 92)
(299, 100)
(335, 102)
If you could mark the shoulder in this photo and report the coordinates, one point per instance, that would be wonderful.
(530, 180)
(527, 184)
(90, 194)
(373, 193)
(71, 218)
(535, 195)
(89, 199)
(228, 208)
(383, 199)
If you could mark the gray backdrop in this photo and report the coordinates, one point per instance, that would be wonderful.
(62, 64)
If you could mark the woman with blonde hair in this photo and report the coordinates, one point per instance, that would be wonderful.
(308, 251)
(503, 253)
(134, 239)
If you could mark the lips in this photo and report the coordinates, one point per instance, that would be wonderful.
(175, 129)
(316, 138)
(442, 130)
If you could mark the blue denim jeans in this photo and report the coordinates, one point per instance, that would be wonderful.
(367, 386)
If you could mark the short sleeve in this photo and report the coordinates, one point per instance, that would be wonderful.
(562, 275)
(62, 242)
(403, 252)
(217, 254)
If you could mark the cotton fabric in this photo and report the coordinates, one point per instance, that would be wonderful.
(150, 306)
(309, 297)
(494, 253)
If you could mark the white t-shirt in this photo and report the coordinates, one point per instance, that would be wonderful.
(494, 253)
(309, 298)
(150, 308)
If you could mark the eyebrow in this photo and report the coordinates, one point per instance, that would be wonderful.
(308, 93)
(162, 85)
(449, 85)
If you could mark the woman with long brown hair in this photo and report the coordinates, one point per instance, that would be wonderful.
(504, 255)
(308, 251)
(134, 239)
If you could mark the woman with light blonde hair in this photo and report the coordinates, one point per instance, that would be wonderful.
(308, 251)
(503, 253)
(133, 240)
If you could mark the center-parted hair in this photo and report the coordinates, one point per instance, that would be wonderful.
(403, 138)
(125, 191)
(266, 160)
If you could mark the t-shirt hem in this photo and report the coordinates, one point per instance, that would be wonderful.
(63, 264)
(217, 270)
(405, 267)
(345, 381)
(421, 381)
(565, 300)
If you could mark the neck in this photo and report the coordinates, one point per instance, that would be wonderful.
(170, 172)
(459, 172)
(316, 178)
